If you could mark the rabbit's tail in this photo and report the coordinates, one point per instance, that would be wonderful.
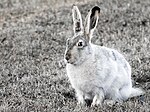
(136, 92)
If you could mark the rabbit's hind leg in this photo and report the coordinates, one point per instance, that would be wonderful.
(113, 98)
(115, 95)
(125, 92)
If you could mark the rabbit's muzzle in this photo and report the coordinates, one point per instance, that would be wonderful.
(67, 56)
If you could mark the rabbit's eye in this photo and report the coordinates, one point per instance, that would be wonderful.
(80, 44)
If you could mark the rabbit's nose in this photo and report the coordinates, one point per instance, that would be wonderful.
(67, 57)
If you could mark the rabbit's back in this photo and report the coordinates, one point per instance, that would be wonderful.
(112, 57)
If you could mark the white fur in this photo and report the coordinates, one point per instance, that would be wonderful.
(104, 74)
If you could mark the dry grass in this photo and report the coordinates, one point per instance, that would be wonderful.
(32, 45)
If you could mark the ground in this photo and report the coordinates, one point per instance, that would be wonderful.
(32, 45)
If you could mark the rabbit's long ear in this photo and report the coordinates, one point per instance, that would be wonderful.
(91, 21)
(77, 20)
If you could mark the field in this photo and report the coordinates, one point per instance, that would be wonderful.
(32, 45)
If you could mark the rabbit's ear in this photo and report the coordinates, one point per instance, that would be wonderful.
(77, 20)
(92, 20)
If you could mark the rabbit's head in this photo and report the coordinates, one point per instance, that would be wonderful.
(79, 46)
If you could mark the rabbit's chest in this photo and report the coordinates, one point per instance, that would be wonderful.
(81, 77)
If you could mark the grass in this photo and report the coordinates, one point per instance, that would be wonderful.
(32, 45)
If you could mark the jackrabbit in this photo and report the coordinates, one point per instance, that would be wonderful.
(96, 72)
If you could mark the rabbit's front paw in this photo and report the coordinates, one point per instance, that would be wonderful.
(97, 100)
(81, 100)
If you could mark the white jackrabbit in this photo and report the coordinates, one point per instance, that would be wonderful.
(96, 72)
